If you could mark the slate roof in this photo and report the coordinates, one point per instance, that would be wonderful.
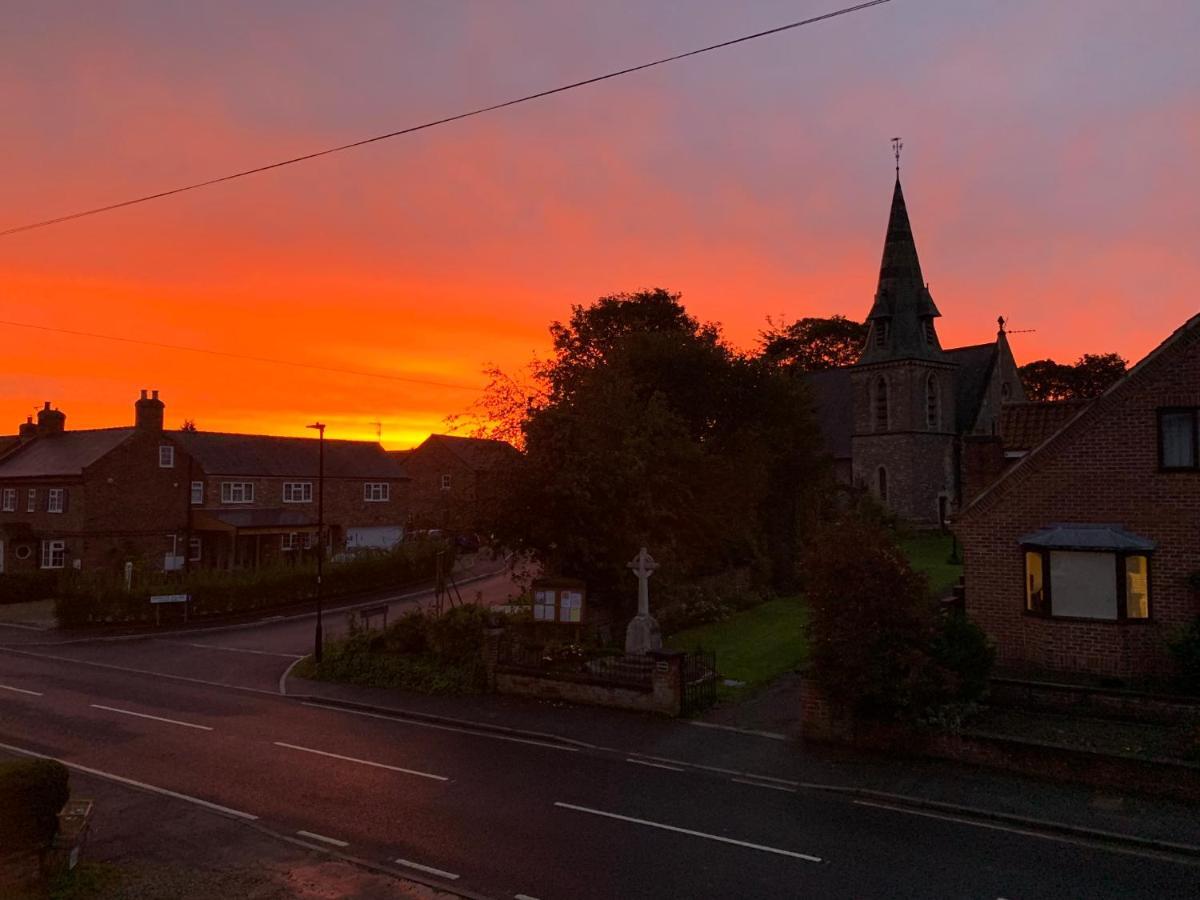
(1027, 424)
(975, 364)
(833, 406)
(1086, 537)
(62, 454)
(479, 454)
(268, 455)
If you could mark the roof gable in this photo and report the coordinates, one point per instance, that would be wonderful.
(479, 454)
(65, 454)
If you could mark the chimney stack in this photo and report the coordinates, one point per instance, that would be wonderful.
(148, 412)
(28, 430)
(50, 421)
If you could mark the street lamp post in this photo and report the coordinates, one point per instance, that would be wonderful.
(320, 427)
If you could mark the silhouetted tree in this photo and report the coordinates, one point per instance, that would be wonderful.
(1090, 376)
(188, 425)
(813, 344)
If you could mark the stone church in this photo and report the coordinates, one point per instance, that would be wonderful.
(909, 419)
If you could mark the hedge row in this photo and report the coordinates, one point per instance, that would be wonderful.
(89, 599)
(32, 791)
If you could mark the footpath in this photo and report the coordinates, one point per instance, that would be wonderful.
(988, 797)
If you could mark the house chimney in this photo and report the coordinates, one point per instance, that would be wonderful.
(50, 421)
(148, 412)
(28, 430)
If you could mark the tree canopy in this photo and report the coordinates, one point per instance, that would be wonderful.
(1088, 377)
(813, 344)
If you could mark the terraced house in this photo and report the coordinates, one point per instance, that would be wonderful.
(98, 498)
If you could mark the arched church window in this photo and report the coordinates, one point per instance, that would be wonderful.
(881, 404)
(932, 406)
(881, 483)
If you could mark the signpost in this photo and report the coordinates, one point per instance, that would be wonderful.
(159, 599)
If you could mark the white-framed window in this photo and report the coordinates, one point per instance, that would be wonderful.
(376, 491)
(31, 500)
(237, 491)
(54, 554)
(10, 499)
(56, 500)
(197, 493)
(570, 606)
(445, 482)
(544, 606)
(166, 456)
(297, 492)
(289, 542)
(195, 549)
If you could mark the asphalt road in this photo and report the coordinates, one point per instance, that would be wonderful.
(511, 817)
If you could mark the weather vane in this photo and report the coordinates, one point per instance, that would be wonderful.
(897, 146)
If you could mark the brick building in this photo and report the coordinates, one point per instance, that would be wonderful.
(899, 422)
(1078, 559)
(96, 499)
(455, 481)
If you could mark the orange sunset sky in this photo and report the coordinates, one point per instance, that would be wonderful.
(1050, 169)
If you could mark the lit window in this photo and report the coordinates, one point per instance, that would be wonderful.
(571, 606)
(54, 554)
(1087, 584)
(376, 492)
(931, 402)
(297, 492)
(56, 500)
(1035, 584)
(166, 457)
(237, 491)
(445, 482)
(1177, 442)
(197, 493)
(1137, 587)
(881, 404)
(10, 499)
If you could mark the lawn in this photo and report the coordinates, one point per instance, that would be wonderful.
(928, 552)
(754, 646)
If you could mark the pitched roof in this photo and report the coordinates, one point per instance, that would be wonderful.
(1027, 424)
(1086, 537)
(62, 454)
(269, 455)
(833, 406)
(975, 364)
(479, 454)
(901, 298)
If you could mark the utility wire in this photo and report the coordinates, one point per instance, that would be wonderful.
(261, 359)
(446, 120)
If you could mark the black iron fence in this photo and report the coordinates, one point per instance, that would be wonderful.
(699, 676)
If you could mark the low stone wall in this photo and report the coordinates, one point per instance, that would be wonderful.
(1133, 706)
(664, 695)
(1159, 777)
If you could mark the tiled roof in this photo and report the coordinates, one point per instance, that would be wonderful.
(268, 455)
(62, 454)
(833, 405)
(480, 454)
(1025, 425)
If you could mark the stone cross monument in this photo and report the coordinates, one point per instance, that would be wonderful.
(643, 634)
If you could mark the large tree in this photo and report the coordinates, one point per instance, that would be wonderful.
(654, 431)
(1088, 377)
(813, 344)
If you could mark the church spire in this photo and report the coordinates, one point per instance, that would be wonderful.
(901, 318)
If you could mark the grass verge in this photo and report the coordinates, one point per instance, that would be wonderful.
(754, 646)
(929, 553)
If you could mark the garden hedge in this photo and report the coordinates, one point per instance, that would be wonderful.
(32, 792)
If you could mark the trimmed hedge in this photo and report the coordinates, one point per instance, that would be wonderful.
(22, 587)
(95, 599)
(32, 792)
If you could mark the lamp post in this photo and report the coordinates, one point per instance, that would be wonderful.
(320, 427)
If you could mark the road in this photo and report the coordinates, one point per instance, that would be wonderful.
(511, 817)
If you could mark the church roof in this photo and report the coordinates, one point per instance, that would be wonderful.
(975, 364)
(901, 299)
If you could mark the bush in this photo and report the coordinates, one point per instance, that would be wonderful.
(1185, 647)
(31, 794)
(963, 649)
(409, 633)
(456, 636)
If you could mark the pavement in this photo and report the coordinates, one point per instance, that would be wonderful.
(508, 797)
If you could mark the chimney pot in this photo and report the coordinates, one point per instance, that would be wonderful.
(154, 394)
(47, 406)
(143, 393)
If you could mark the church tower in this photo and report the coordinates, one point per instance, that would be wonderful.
(904, 388)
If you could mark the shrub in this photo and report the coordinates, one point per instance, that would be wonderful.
(456, 635)
(408, 634)
(1185, 647)
(31, 794)
(963, 649)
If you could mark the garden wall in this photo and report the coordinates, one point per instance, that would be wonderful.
(663, 696)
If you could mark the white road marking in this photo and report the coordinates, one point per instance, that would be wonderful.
(403, 721)
(643, 762)
(16, 690)
(284, 677)
(364, 762)
(430, 869)
(523, 897)
(235, 649)
(773, 735)
(700, 834)
(320, 837)
(216, 807)
(130, 712)
(763, 784)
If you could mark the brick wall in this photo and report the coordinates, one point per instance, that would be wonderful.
(1102, 470)
(455, 509)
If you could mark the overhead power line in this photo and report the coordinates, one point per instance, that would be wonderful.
(429, 382)
(447, 119)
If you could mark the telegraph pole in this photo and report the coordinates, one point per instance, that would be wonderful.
(320, 427)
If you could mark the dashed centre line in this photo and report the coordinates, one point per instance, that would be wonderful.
(653, 765)
(17, 690)
(428, 869)
(362, 762)
(130, 712)
(323, 839)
